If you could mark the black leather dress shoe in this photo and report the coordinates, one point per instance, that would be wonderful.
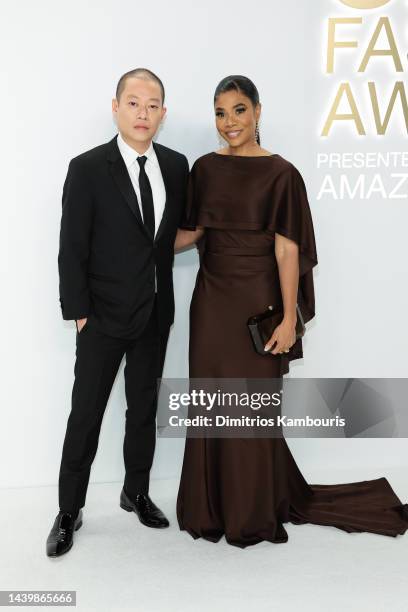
(61, 536)
(149, 514)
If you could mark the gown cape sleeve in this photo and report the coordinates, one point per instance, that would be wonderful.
(277, 204)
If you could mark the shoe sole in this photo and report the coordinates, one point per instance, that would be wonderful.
(127, 508)
(130, 509)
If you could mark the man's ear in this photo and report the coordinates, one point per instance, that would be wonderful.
(164, 111)
(115, 111)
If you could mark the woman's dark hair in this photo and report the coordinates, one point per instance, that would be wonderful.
(237, 82)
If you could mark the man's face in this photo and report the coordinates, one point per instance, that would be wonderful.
(139, 111)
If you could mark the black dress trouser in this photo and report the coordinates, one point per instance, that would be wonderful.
(98, 358)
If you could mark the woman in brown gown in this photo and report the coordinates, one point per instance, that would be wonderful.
(246, 209)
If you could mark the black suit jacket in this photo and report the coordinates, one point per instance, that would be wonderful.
(106, 256)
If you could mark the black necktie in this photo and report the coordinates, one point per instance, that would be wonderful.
(147, 196)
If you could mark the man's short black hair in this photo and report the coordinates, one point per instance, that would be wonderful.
(142, 73)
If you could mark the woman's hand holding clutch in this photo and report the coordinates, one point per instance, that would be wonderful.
(284, 336)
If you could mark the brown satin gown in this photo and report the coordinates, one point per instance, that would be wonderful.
(247, 488)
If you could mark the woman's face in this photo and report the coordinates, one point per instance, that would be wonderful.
(236, 117)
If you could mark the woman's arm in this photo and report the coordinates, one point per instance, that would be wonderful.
(186, 238)
(287, 257)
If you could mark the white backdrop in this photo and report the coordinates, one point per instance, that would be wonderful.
(60, 64)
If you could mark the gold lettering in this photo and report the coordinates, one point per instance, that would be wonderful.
(354, 115)
(392, 51)
(398, 89)
(333, 44)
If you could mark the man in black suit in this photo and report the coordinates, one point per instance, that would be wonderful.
(121, 206)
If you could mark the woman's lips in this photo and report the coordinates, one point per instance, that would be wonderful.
(233, 134)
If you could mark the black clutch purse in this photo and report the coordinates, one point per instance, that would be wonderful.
(261, 326)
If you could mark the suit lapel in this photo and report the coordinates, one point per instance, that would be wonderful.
(122, 179)
(165, 170)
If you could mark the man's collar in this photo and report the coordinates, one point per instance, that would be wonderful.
(130, 155)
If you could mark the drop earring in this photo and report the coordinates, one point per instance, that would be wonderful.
(256, 132)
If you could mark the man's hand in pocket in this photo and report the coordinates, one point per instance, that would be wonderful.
(80, 324)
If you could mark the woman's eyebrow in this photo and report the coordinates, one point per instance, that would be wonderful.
(235, 106)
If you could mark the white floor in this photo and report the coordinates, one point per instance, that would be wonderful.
(118, 564)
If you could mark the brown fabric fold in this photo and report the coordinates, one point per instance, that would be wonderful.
(260, 193)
